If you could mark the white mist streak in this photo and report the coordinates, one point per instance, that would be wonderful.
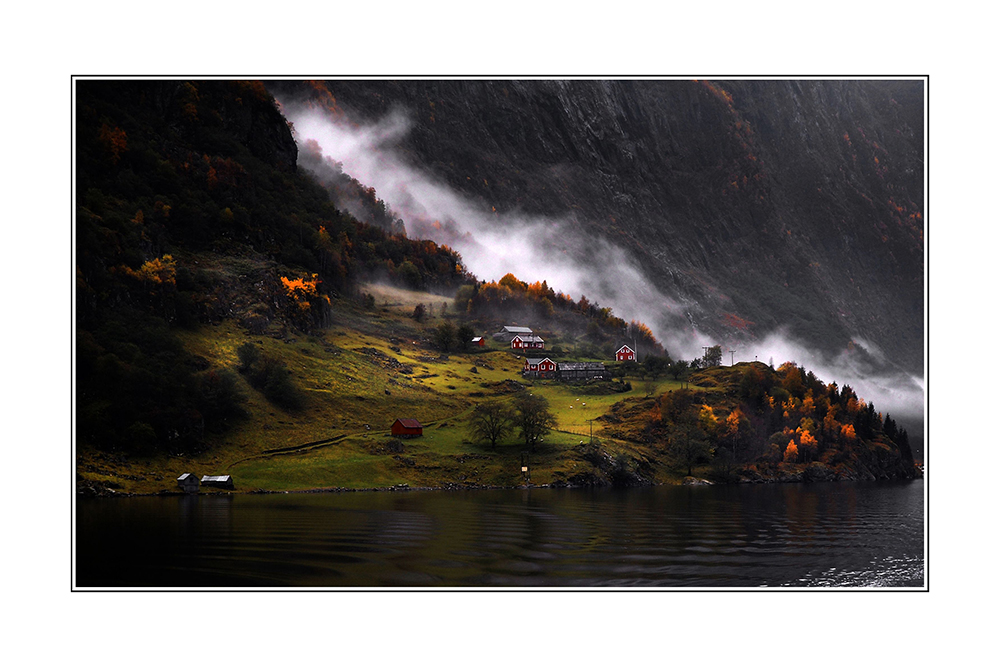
(535, 249)
(494, 244)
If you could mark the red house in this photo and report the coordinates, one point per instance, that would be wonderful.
(407, 428)
(527, 342)
(539, 367)
(478, 340)
(625, 353)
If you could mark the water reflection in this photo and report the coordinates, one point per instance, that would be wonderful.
(735, 536)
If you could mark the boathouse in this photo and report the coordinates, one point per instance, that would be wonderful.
(219, 481)
(407, 428)
(188, 483)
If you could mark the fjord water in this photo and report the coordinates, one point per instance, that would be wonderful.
(775, 535)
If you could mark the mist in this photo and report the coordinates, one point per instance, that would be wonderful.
(534, 248)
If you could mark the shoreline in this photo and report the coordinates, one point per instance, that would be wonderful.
(786, 478)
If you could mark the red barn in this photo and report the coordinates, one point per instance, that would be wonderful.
(625, 353)
(407, 428)
(478, 340)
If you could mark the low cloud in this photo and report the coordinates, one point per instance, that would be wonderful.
(535, 248)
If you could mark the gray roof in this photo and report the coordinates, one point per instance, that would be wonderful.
(517, 330)
(530, 338)
(216, 478)
(537, 361)
(581, 366)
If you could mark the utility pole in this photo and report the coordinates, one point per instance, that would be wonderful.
(591, 431)
(731, 363)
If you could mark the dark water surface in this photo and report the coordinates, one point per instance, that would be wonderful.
(837, 534)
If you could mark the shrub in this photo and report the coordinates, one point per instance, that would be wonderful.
(269, 376)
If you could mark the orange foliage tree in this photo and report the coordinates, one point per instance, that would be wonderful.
(115, 141)
(306, 299)
(791, 452)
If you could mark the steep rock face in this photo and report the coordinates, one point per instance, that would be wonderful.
(759, 204)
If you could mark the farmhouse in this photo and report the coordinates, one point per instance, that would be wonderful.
(407, 428)
(625, 353)
(539, 368)
(508, 333)
(582, 370)
(220, 481)
(527, 342)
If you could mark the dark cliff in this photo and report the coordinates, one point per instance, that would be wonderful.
(758, 204)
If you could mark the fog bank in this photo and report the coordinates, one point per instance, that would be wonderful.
(533, 248)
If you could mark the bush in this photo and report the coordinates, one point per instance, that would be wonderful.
(269, 376)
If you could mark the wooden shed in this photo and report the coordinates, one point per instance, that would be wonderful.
(219, 481)
(407, 428)
(479, 341)
(188, 483)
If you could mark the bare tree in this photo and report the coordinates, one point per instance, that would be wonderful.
(491, 421)
(533, 418)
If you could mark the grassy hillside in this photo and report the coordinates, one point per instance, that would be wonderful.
(372, 366)
(376, 364)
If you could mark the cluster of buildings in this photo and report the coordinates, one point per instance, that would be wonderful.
(189, 482)
(523, 339)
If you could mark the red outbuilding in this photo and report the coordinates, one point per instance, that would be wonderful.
(407, 428)
(625, 353)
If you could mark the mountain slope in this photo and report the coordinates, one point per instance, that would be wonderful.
(755, 205)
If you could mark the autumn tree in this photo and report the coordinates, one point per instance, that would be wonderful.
(491, 421)
(308, 305)
(791, 452)
(115, 142)
(533, 418)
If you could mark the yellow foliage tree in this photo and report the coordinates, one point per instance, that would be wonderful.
(791, 452)
(159, 271)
